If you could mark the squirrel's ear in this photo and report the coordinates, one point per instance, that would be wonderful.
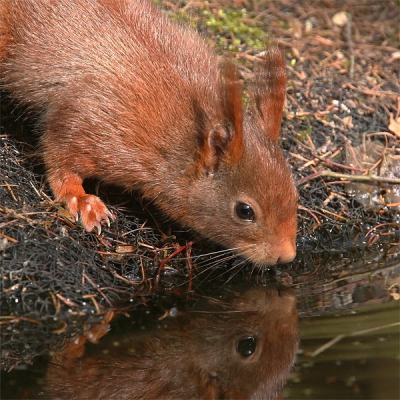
(220, 148)
(223, 144)
(269, 91)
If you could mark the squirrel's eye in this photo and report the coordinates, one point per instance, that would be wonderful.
(244, 212)
(247, 346)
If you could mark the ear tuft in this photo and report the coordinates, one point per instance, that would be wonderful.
(233, 108)
(223, 144)
(269, 90)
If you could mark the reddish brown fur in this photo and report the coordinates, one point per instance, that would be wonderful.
(191, 356)
(127, 97)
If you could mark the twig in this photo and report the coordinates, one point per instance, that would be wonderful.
(84, 275)
(189, 264)
(334, 214)
(378, 93)
(350, 44)
(369, 177)
(381, 225)
(362, 178)
(165, 260)
(355, 333)
(300, 207)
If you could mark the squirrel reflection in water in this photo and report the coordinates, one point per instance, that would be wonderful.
(237, 349)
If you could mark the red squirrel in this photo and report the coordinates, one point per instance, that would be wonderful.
(125, 96)
(241, 350)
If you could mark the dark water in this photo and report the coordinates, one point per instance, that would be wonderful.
(240, 346)
(239, 342)
(364, 364)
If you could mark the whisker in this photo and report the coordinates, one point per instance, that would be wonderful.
(222, 264)
(215, 266)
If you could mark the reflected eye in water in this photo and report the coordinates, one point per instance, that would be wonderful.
(247, 346)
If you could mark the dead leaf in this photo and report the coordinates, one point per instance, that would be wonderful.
(394, 125)
(123, 249)
(340, 18)
(348, 122)
(396, 55)
(396, 296)
(372, 156)
(323, 41)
